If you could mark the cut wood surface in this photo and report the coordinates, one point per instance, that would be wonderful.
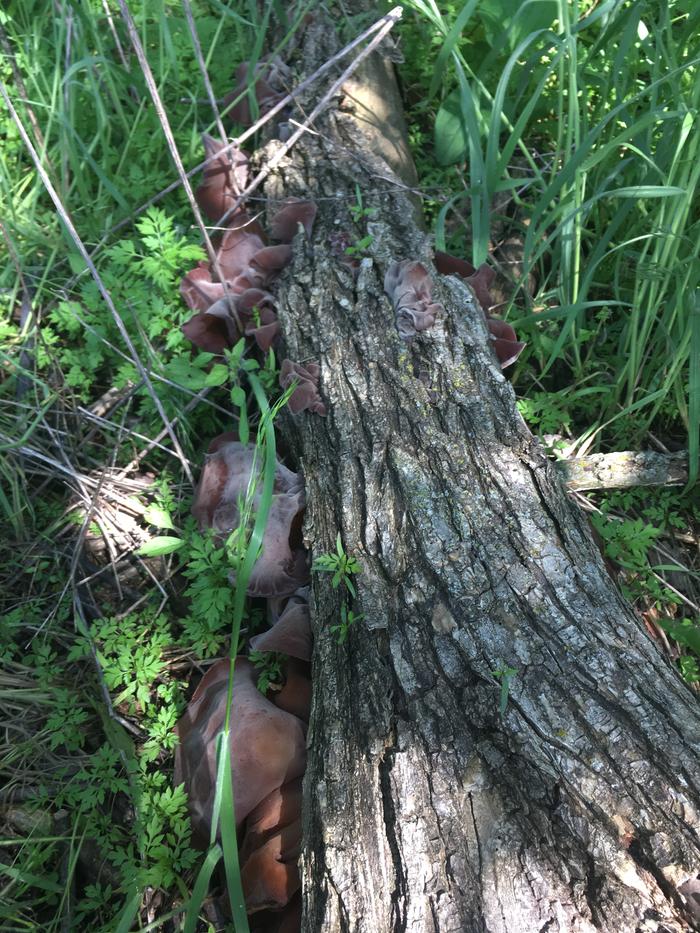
(426, 808)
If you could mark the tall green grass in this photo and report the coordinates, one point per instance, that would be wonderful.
(588, 114)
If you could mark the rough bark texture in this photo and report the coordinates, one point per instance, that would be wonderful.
(425, 809)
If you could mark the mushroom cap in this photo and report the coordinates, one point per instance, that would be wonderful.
(285, 223)
(198, 289)
(238, 246)
(306, 395)
(267, 744)
(270, 876)
(280, 808)
(282, 567)
(223, 179)
(409, 287)
(270, 848)
(295, 695)
(290, 634)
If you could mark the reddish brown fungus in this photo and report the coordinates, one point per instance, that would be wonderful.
(198, 289)
(280, 569)
(295, 695)
(267, 744)
(409, 287)
(238, 247)
(305, 396)
(223, 178)
(280, 808)
(505, 343)
(479, 280)
(267, 75)
(208, 332)
(291, 633)
(503, 337)
(270, 877)
(286, 221)
(269, 261)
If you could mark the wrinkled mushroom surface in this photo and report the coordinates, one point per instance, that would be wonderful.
(295, 695)
(232, 297)
(268, 745)
(223, 178)
(282, 567)
(409, 287)
(305, 396)
(292, 213)
(270, 877)
(290, 634)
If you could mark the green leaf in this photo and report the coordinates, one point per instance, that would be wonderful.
(451, 138)
(159, 546)
(158, 517)
(684, 632)
(237, 396)
(646, 191)
(511, 21)
(217, 375)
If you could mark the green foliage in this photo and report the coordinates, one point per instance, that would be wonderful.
(505, 676)
(359, 248)
(341, 565)
(590, 126)
(207, 568)
(686, 632)
(142, 276)
(627, 542)
(95, 726)
(634, 525)
(358, 211)
(91, 771)
(269, 665)
(347, 619)
(583, 121)
(360, 214)
(545, 412)
(129, 651)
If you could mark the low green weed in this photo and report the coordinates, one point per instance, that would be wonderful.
(637, 527)
(348, 618)
(269, 665)
(342, 565)
(504, 675)
(91, 768)
(208, 565)
(360, 214)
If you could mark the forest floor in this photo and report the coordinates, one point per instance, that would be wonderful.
(567, 159)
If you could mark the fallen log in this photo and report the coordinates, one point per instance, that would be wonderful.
(497, 745)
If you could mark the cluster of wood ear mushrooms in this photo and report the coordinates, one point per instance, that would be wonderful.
(233, 298)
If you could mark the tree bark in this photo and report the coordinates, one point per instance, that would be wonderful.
(426, 808)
